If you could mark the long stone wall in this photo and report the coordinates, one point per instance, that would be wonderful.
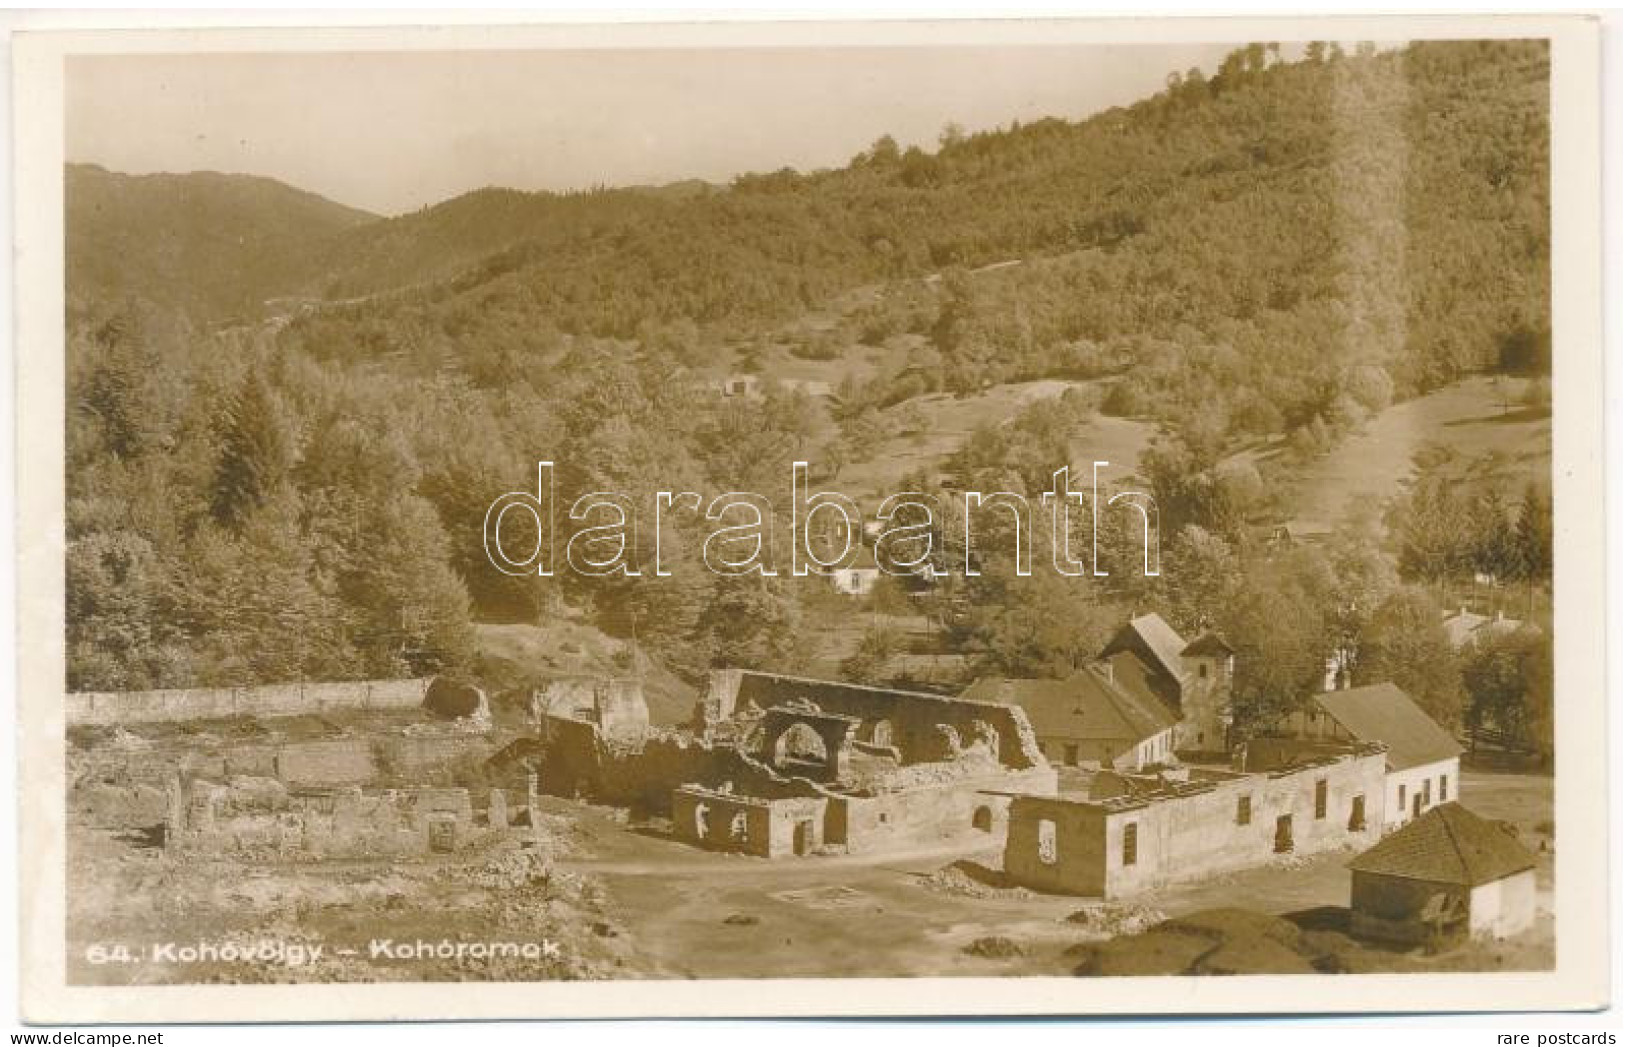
(1239, 821)
(106, 708)
(428, 759)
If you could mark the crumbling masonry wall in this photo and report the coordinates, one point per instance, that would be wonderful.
(722, 821)
(911, 722)
(262, 816)
(972, 806)
(901, 769)
(617, 706)
(425, 758)
(577, 761)
(291, 699)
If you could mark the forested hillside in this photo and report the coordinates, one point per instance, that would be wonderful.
(206, 246)
(441, 242)
(1268, 248)
(1301, 217)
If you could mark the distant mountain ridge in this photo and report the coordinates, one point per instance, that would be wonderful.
(218, 246)
(438, 242)
(207, 244)
(1311, 216)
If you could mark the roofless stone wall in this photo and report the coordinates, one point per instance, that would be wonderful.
(107, 708)
(910, 721)
(578, 761)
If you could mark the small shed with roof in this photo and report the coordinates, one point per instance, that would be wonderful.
(1447, 875)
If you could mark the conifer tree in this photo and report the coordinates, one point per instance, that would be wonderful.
(257, 449)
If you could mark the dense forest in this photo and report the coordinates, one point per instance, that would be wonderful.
(287, 418)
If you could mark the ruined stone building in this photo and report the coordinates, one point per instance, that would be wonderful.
(263, 817)
(1089, 719)
(1447, 875)
(616, 706)
(1137, 832)
(366, 790)
(314, 771)
(1424, 760)
(780, 765)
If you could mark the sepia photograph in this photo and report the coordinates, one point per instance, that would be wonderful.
(1053, 508)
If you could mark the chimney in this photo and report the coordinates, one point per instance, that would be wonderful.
(1330, 682)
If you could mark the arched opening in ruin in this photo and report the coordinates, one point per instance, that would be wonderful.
(982, 819)
(739, 828)
(881, 733)
(702, 822)
(800, 744)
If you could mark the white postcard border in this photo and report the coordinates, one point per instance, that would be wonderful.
(1580, 980)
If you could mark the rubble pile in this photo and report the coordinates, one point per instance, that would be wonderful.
(994, 947)
(956, 879)
(1109, 921)
(509, 870)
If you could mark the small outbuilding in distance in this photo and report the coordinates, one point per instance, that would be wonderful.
(1446, 876)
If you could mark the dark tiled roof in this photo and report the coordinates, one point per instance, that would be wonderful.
(1157, 638)
(1384, 713)
(1209, 643)
(1134, 676)
(1451, 845)
(1086, 705)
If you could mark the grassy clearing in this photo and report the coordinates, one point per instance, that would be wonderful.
(1477, 426)
(947, 420)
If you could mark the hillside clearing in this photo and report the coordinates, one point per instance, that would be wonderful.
(1478, 425)
(946, 421)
